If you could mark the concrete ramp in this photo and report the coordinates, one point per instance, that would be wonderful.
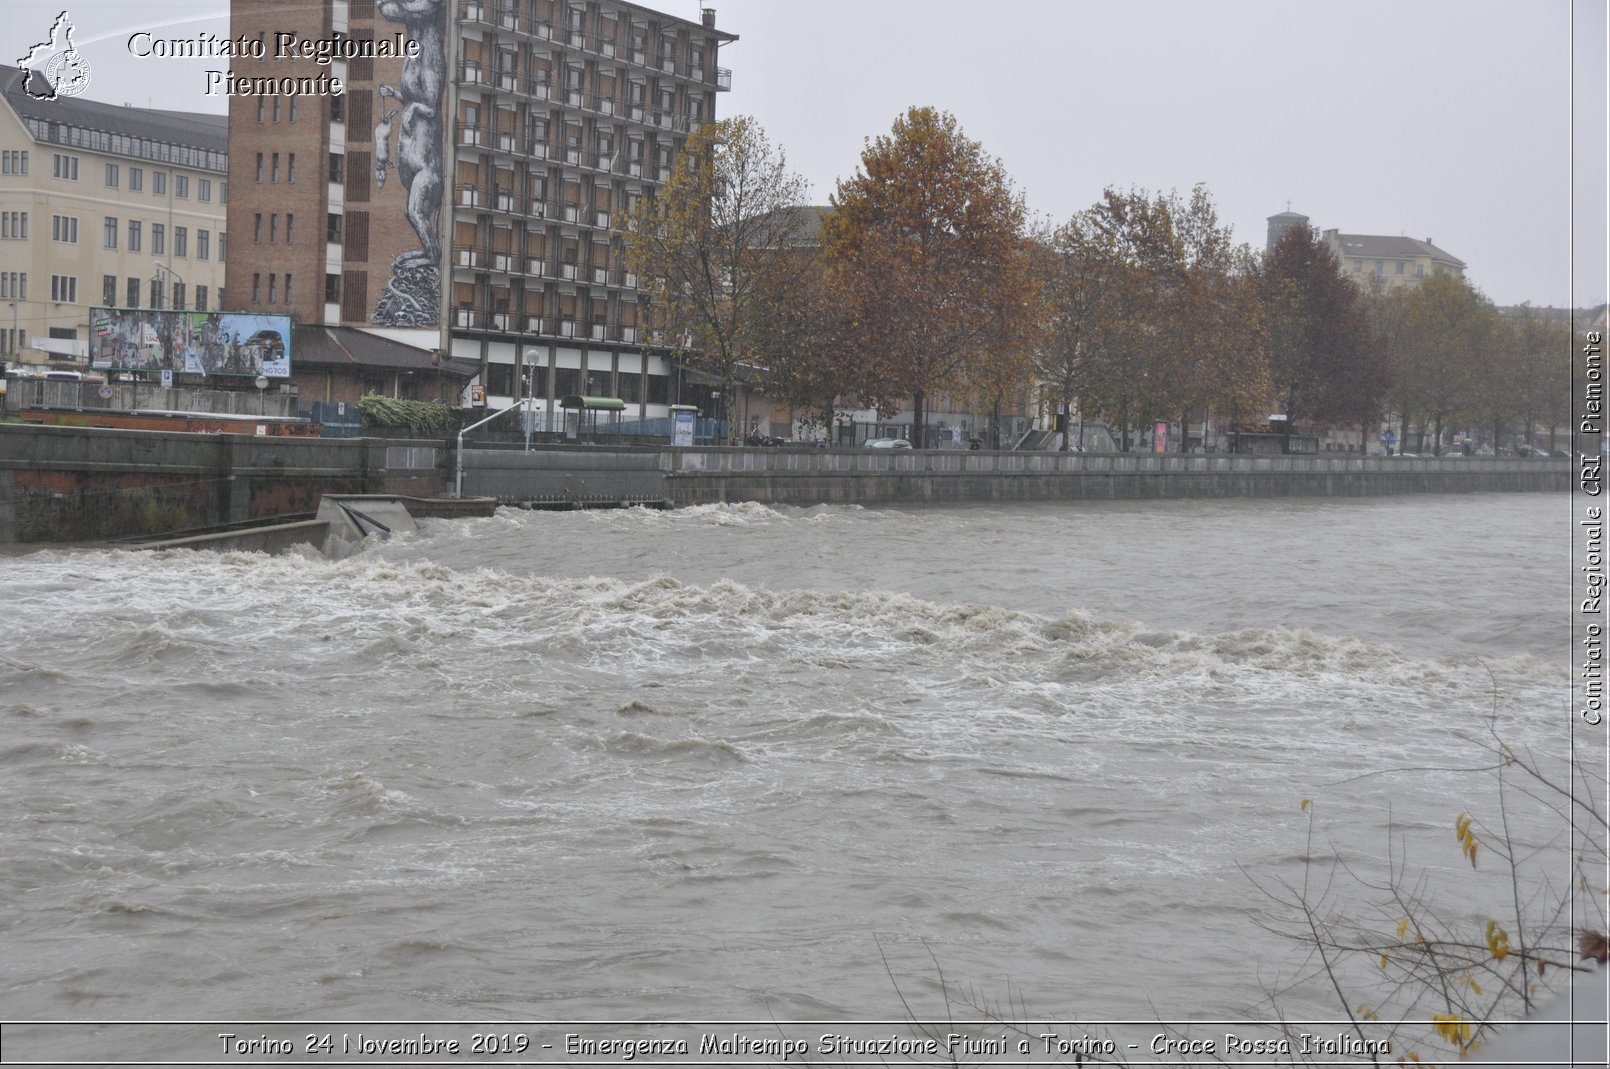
(352, 518)
(342, 524)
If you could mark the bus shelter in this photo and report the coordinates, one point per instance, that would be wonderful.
(582, 416)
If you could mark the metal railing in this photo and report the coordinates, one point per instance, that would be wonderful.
(145, 397)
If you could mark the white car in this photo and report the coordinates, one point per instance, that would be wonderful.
(887, 443)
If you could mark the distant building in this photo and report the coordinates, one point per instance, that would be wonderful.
(1366, 258)
(1394, 261)
(1280, 224)
(103, 206)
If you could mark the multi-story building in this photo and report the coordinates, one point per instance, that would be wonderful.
(103, 206)
(1375, 259)
(466, 195)
(1384, 260)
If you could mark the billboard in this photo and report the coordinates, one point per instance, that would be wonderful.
(195, 343)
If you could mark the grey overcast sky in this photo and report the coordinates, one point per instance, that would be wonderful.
(1455, 120)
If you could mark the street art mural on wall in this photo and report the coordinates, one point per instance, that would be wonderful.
(414, 109)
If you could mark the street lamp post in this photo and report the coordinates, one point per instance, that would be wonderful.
(159, 264)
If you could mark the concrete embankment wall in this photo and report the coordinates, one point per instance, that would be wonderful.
(79, 484)
(878, 477)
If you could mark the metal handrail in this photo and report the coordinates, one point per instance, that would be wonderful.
(458, 466)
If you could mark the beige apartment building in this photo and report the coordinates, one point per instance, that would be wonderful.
(465, 197)
(1376, 260)
(1384, 260)
(103, 206)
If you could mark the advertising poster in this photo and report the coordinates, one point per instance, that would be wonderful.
(196, 343)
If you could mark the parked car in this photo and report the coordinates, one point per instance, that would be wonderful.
(887, 443)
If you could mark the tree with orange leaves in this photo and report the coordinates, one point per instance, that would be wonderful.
(928, 260)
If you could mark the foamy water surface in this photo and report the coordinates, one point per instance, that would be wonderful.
(742, 761)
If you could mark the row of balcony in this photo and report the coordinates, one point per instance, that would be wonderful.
(507, 17)
(473, 74)
(482, 258)
(553, 326)
(611, 163)
(503, 201)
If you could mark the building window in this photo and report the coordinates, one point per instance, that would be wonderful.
(332, 289)
(14, 226)
(338, 109)
(201, 298)
(274, 169)
(204, 190)
(1380, 267)
(134, 235)
(64, 228)
(203, 240)
(257, 288)
(159, 233)
(14, 161)
(287, 287)
(134, 293)
(335, 167)
(262, 105)
(14, 284)
(223, 245)
(332, 228)
(181, 241)
(66, 167)
(111, 176)
(136, 179)
(178, 296)
(276, 109)
(64, 289)
(1358, 267)
(159, 183)
(110, 236)
(290, 163)
(156, 293)
(271, 288)
(257, 228)
(109, 291)
(273, 228)
(223, 192)
(290, 227)
(293, 109)
(259, 166)
(1419, 270)
(1400, 267)
(181, 186)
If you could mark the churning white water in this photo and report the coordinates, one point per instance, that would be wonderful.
(746, 762)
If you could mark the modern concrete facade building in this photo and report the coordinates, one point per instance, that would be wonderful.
(103, 206)
(465, 196)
